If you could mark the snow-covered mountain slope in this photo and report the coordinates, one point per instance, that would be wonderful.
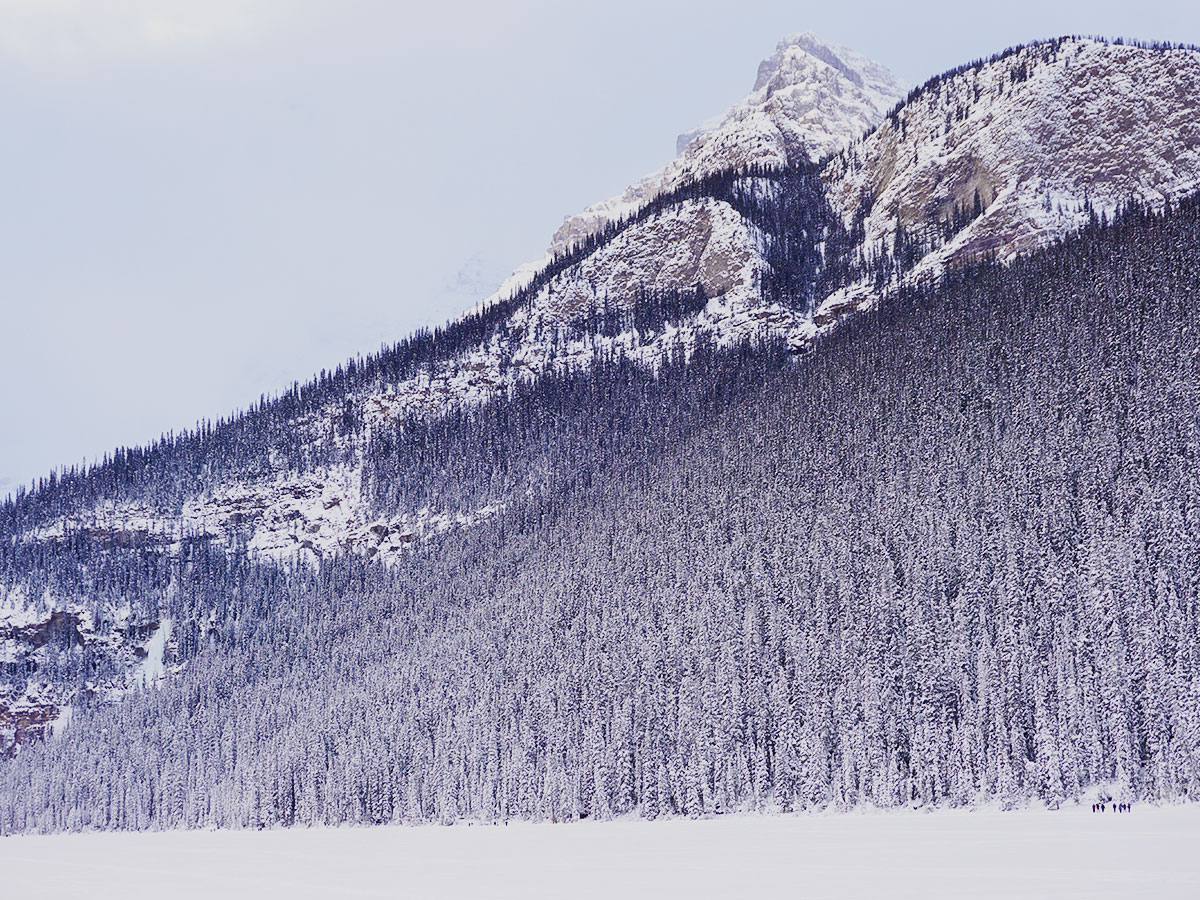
(1037, 135)
(947, 559)
(1041, 135)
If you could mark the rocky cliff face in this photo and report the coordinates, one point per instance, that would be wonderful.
(40, 640)
(1039, 136)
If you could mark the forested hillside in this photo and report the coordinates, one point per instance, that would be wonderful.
(950, 556)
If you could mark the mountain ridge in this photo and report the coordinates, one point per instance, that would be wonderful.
(704, 241)
(809, 99)
(762, 253)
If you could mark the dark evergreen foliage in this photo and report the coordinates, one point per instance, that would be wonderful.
(951, 556)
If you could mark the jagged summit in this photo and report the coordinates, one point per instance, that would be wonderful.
(789, 66)
(810, 99)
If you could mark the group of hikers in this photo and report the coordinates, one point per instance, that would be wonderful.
(1116, 807)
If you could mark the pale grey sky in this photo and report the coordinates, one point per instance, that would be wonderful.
(203, 201)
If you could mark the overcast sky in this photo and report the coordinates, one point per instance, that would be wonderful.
(204, 200)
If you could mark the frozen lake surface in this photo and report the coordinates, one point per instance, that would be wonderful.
(1151, 852)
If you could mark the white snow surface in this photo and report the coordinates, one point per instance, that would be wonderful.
(1031, 854)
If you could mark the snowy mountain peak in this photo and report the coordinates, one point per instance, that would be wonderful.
(809, 100)
(792, 64)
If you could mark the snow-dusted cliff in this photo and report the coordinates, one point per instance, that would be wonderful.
(34, 630)
(810, 99)
(1039, 134)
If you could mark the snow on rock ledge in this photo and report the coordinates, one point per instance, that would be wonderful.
(33, 631)
(704, 243)
(699, 242)
(315, 514)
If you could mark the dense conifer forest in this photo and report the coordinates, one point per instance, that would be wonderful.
(950, 556)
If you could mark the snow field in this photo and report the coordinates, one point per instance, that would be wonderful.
(1150, 852)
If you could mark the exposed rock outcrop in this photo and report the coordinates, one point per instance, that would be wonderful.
(1040, 136)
